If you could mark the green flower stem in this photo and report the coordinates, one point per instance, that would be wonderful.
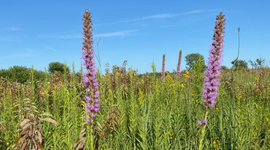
(203, 133)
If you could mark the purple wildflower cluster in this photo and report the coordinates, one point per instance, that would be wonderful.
(204, 122)
(89, 77)
(212, 73)
(179, 63)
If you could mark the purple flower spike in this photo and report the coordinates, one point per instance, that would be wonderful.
(87, 98)
(204, 121)
(86, 81)
(89, 77)
(88, 119)
(179, 63)
(200, 123)
(212, 73)
(163, 68)
(213, 70)
(96, 95)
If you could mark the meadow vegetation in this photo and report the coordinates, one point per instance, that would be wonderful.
(137, 111)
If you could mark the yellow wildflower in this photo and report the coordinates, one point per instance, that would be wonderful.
(181, 85)
(216, 110)
(214, 144)
(186, 74)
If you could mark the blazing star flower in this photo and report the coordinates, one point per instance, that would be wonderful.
(204, 122)
(163, 68)
(212, 73)
(179, 63)
(89, 77)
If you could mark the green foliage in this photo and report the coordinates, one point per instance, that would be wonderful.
(58, 67)
(21, 74)
(240, 64)
(138, 112)
(192, 58)
(30, 132)
(258, 63)
(224, 68)
(199, 68)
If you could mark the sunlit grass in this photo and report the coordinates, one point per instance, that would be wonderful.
(143, 112)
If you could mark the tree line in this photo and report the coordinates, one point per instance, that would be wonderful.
(21, 74)
(237, 64)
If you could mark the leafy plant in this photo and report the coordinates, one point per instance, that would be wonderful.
(192, 58)
(30, 132)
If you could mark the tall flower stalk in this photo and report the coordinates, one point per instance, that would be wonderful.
(212, 73)
(163, 68)
(89, 77)
(179, 63)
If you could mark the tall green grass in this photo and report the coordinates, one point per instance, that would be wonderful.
(142, 112)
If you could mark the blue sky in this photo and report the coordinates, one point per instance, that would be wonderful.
(35, 32)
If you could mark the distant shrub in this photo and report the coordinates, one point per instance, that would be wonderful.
(21, 74)
(224, 68)
(59, 67)
(240, 64)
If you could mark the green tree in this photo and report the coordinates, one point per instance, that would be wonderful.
(240, 64)
(57, 67)
(258, 63)
(192, 58)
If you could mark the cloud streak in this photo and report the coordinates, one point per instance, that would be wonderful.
(119, 33)
(50, 48)
(72, 35)
(159, 16)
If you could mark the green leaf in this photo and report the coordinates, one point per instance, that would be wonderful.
(24, 122)
(49, 120)
(46, 114)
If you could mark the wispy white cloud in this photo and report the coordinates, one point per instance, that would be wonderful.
(73, 35)
(119, 33)
(159, 16)
(50, 48)
(165, 16)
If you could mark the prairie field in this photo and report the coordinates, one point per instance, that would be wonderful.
(204, 107)
(138, 111)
